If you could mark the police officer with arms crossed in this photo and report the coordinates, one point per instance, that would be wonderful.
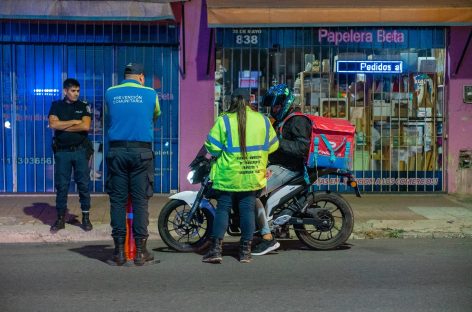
(70, 119)
(130, 112)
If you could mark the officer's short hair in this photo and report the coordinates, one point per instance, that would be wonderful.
(70, 82)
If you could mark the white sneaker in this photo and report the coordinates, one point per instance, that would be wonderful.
(265, 247)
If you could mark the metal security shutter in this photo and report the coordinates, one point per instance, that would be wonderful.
(37, 57)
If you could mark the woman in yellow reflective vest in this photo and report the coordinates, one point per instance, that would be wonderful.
(242, 140)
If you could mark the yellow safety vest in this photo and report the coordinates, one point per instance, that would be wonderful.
(231, 172)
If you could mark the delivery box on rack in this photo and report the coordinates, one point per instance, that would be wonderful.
(331, 143)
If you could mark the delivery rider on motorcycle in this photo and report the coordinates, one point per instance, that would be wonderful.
(287, 161)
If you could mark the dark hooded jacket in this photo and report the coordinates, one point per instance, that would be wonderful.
(294, 143)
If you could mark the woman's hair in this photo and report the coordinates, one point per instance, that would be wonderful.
(238, 106)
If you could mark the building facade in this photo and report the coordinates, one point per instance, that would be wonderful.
(341, 59)
(43, 45)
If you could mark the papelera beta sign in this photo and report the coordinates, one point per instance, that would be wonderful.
(359, 36)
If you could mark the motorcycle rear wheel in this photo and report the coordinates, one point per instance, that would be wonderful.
(192, 237)
(339, 222)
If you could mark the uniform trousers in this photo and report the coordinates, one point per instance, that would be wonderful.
(130, 173)
(67, 161)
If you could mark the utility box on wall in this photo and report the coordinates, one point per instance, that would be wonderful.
(465, 159)
(467, 94)
(464, 172)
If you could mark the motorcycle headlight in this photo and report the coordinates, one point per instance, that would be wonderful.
(190, 176)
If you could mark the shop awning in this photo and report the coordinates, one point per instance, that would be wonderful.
(88, 10)
(273, 13)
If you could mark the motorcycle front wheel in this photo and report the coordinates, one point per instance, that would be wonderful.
(182, 236)
(338, 222)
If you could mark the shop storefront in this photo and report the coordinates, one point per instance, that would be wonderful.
(388, 81)
(36, 57)
(385, 66)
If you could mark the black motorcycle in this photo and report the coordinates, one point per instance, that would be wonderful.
(320, 219)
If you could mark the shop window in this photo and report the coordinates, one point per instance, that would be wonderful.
(388, 82)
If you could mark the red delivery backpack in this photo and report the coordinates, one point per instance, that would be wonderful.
(331, 142)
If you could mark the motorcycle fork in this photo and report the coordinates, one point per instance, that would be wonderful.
(196, 203)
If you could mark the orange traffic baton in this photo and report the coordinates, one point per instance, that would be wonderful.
(130, 245)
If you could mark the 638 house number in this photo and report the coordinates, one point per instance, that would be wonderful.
(247, 36)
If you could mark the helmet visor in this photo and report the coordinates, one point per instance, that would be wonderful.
(277, 109)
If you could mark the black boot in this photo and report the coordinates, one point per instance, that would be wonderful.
(214, 255)
(119, 254)
(86, 224)
(245, 251)
(142, 255)
(59, 224)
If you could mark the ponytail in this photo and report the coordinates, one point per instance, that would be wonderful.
(238, 106)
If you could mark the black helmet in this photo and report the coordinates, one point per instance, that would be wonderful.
(280, 99)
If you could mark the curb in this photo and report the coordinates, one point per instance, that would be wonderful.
(39, 233)
(371, 229)
(413, 229)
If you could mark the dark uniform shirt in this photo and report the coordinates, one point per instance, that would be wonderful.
(69, 111)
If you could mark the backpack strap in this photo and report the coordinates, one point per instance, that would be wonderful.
(346, 154)
(332, 157)
(306, 176)
(312, 162)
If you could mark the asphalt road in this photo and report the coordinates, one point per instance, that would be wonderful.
(369, 275)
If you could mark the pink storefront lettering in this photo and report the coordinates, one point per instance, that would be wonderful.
(352, 36)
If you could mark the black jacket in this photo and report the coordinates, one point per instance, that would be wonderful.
(294, 144)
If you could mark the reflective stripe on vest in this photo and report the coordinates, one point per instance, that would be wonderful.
(249, 148)
(217, 143)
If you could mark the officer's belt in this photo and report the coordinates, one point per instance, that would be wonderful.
(130, 144)
(70, 148)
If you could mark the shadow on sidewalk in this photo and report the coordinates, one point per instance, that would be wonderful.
(98, 252)
(47, 214)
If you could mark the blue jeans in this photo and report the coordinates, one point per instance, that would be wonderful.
(246, 201)
(279, 176)
(66, 162)
(130, 172)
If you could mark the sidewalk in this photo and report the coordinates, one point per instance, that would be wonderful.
(27, 218)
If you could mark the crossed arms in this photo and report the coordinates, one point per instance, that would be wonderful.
(70, 125)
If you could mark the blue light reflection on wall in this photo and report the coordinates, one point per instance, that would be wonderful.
(32, 71)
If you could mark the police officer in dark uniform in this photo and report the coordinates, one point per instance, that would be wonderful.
(130, 112)
(70, 119)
